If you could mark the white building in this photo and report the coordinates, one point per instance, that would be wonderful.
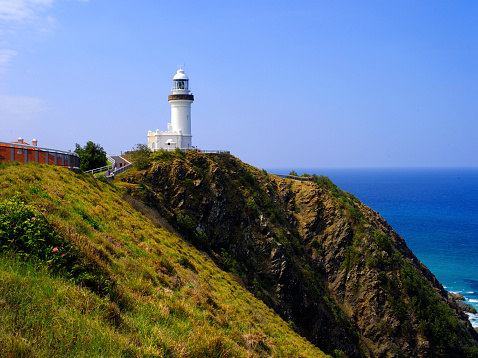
(178, 134)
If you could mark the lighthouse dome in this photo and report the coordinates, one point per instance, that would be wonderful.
(180, 75)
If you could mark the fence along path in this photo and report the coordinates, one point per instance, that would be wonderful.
(114, 168)
(293, 177)
(120, 165)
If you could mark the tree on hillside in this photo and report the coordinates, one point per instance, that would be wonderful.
(140, 156)
(91, 156)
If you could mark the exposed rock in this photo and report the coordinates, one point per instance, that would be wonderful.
(466, 307)
(314, 254)
(456, 296)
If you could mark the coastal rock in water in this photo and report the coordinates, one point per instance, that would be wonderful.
(456, 296)
(466, 307)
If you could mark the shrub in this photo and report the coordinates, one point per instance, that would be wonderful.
(189, 227)
(251, 207)
(229, 262)
(92, 156)
(383, 242)
(25, 231)
(351, 257)
(180, 153)
(140, 156)
(315, 243)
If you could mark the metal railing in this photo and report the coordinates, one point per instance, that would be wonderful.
(111, 160)
(293, 177)
(11, 152)
(118, 171)
(214, 151)
(111, 170)
(100, 169)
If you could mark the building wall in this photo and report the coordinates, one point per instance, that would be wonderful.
(181, 116)
(24, 154)
(160, 140)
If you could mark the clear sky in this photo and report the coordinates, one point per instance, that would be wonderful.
(306, 84)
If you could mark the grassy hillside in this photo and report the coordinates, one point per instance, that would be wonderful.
(84, 274)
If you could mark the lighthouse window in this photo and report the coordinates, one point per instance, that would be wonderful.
(181, 84)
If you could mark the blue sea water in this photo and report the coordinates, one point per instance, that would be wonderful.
(434, 210)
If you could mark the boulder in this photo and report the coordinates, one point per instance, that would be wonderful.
(466, 307)
(456, 296)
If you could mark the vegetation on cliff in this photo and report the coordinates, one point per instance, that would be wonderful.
(88, 271)
(323, 261)
(133, 268)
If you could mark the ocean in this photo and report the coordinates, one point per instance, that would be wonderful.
(434, 210)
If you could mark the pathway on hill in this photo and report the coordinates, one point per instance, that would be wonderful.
(118, 159)
(120, 165)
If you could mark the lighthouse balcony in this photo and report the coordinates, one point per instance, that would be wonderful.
(163, 133)
(181, 97)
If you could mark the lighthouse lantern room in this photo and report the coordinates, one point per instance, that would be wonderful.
(178, 134)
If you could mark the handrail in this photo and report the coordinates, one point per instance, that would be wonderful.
(101, 169)
(110, 167)
(293, 177)
(213, 151)
(209, 151)
(110, 159)
(126, 160)
(119, 171)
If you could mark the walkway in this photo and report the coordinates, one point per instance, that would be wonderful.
(119, 166)
(119, 160)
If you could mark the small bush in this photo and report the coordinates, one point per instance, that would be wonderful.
(251, 207)
(383, 242)
(180, 153)
(140, 156)
(315, 244)
(189, 227)
(229, 261)
(351, 257)
(25, 231)
(94, 223)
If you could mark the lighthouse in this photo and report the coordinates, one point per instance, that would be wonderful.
(178, 134)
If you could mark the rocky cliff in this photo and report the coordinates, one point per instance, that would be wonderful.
(326, 263)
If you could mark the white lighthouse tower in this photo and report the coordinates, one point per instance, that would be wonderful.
(178, 134)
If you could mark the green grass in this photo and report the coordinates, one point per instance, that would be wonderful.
(165, 298)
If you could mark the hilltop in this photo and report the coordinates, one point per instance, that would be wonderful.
(203, 255)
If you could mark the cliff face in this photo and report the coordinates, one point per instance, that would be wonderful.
(325, 262)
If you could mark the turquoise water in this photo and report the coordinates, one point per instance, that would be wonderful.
(434, 210)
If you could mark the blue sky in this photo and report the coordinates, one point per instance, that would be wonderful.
(281, 84)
